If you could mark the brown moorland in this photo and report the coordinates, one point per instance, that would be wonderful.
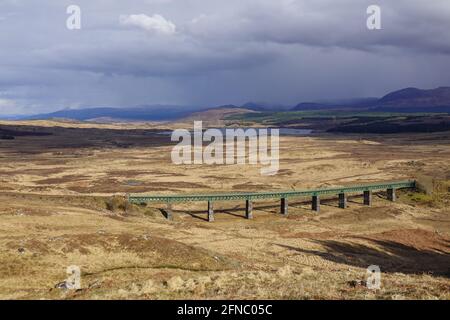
(57, 209)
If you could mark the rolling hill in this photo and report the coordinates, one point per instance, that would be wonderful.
(413, 99)
(404, 100)
(142, 113)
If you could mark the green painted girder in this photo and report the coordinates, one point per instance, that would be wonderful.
(270, 195)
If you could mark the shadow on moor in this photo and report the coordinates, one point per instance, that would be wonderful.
(391, 256)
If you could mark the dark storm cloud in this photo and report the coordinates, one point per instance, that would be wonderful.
(212, 52)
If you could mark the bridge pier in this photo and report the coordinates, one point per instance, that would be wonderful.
(249, 209)
(316, 203)
(284, 206)
(342, 200)
(391, 194)
(168, 211)
(210, 211)
(368, 198)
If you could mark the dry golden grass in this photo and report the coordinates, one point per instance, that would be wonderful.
(57, 208)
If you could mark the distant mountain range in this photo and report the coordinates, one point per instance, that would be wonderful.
(336, 104)
(262, 106)
(405, 100)
(418, 100)
(142, 113)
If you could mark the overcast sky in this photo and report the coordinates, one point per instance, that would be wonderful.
(213, 52)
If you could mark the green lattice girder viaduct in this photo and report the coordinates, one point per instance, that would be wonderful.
(249, 197)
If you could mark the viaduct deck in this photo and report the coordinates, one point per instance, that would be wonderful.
(249, 197)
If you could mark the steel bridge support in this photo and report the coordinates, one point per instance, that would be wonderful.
(210, 211)
(368, 198)
(342, 200)
(316, 203)
(391, 194)
(284, 206)
(249, 209)
(168, 211)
